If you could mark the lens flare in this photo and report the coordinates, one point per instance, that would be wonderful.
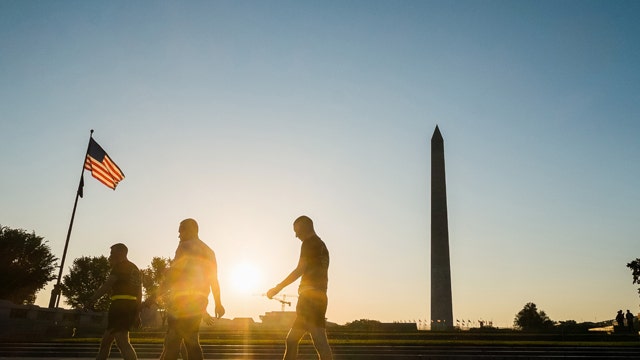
(245, 278)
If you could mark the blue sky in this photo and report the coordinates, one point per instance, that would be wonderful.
(246, 114)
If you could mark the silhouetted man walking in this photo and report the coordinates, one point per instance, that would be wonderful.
(193, 272)
(125, 284)
(311, 309)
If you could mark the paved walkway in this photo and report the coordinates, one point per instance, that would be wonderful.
(57, 351)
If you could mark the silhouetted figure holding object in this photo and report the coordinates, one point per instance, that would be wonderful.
(630, 319)
(193, 273)
(311, 309)
(125, 284)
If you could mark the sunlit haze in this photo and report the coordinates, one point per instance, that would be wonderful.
(246, 279)
(246, 114)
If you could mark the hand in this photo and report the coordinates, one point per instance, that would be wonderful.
(219, 311)
(272, 292)
(208, 319)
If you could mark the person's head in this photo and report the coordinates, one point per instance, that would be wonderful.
(118, 253)
(188, 230)
(303, 227)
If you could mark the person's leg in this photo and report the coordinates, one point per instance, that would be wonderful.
(172, 340)
(126, 350)
(192, 345)
(321, 343)
(316, 323)
(192, 338)
(291, 343)
(183, 351)
(105, 345)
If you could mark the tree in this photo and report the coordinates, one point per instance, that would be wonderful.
(530, 319)
(363, 325)
(85, 276)
(26, 265)
(153, 276)
(635, 269)
(571, 326)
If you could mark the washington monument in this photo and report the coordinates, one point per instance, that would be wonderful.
(441, 302)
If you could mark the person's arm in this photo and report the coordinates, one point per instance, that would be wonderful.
(215, 289)
(103, 289)
(293, 276)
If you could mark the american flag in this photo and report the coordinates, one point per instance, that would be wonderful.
(101, 166)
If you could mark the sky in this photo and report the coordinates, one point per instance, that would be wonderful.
(246, 114)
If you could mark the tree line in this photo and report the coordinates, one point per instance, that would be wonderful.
(27, 264)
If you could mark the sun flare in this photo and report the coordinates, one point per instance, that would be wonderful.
(245, 278)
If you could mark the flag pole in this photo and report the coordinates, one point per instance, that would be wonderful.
(54, 301)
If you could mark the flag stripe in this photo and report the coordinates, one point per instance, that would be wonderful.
(113, 168)
(102, 167)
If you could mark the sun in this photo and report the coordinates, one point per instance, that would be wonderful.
(245, 278)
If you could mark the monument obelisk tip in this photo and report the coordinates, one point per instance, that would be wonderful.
(436, 134)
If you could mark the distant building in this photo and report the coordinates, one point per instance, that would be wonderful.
(278, 320)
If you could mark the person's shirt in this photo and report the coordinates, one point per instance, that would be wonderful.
(128, 280)
(193, 269)
(316, 256)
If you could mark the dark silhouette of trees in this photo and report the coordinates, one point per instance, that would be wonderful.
(530, 319)
(363, 325)
(26, 265)
(86, 275)
(635, 269)
(152, 277)
(573, 327)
